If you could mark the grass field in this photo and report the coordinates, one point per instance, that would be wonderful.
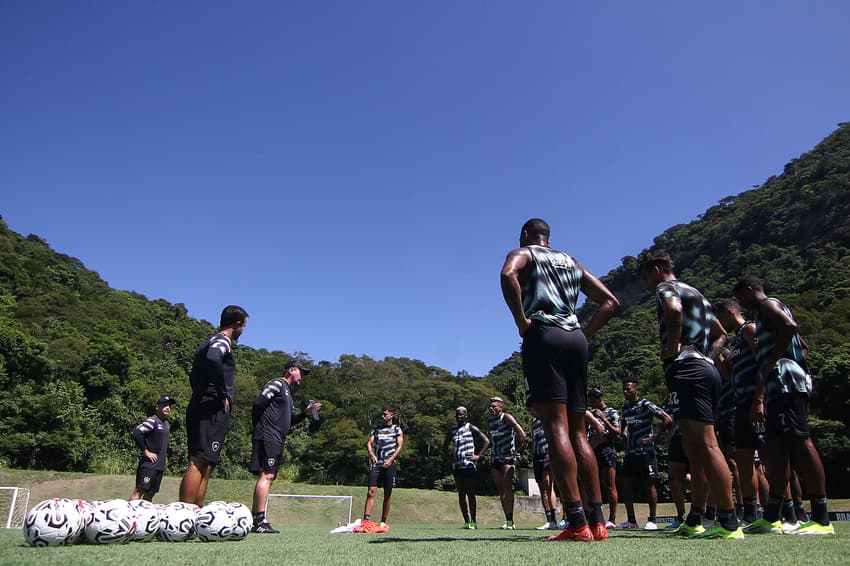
(425, 530)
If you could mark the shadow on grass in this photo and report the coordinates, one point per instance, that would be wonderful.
(457, 539)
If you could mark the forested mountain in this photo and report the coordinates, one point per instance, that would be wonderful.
(793, 232)
(81, 364)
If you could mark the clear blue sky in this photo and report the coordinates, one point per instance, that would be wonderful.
(354, 172)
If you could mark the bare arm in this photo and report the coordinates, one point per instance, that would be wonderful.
(597, 292)
(369, 448)
(716, 339)
(515, 263)
(520, 433)
(485, 443)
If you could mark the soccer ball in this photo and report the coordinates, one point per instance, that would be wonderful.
(214, 522)
(177, 524)
(53, 522)
(112, 522)
(86, 509)
(147, 520)
(243, 520)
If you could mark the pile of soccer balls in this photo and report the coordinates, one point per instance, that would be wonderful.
(61, 521)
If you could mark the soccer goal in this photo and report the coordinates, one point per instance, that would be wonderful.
(14, 502)
(319, 510)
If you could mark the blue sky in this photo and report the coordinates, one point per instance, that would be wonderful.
(354, 173)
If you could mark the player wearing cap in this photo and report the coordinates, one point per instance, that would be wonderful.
(151, 436)
(272, 416)
(541, 287)
(208, 412)
(384, 445)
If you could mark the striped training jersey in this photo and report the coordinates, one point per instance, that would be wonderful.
(464, 446)
(501, 437)
(792, 375)
(697, 317)
(386, 441)
(152, 434)
(613, 417)
(550, 292)
(540, 446)
(744, 369)
(213, 368)
(638, 423)
(273, 413)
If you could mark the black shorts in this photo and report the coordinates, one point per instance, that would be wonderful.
(206, 427)
(694, 386)
(675, 452)
(148, 479)
(606, 457)
(541, 467)
(787, 416)
(467, 477)
(503, 461)
(265, 457)
(640, 467)
(725, 429)
(746, 435)
(379, 476)
(554, 362)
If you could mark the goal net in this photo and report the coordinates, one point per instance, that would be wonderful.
(308, 510)
(14, 502)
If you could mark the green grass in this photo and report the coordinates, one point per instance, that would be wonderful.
(430, 544)
(425, 531)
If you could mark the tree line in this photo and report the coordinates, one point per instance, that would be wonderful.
(81, 364)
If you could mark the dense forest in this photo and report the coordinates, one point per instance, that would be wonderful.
(81, 364)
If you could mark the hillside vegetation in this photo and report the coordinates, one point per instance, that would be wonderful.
(81, 364)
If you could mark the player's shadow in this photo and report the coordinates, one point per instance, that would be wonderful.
(383, 540)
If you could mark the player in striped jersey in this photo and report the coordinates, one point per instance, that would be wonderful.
(541, 286)
(602, 441)
(691, 337)
(781, 403)
(543, 474)
(384, 445)
(272, 416)
(739, 363)
(463, 457)
(640, 464)
(151, 436)
(507, 439)
(208, 412)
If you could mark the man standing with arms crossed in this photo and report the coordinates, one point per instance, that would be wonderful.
(208, 413)
(272, 416)
(541, 287)
(690, 337)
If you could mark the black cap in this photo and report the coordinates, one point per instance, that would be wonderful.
(296, 364)
(594, 393)
(165, 400)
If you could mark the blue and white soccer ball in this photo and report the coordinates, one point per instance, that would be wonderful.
(243, 520)
(147, 520)
(177, 523)
(214, 522)
(53, 522)
(113, 522)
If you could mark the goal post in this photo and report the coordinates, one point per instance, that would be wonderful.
(14, 502)
(292, 509)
